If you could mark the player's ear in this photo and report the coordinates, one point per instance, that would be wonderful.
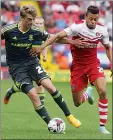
(21, 17)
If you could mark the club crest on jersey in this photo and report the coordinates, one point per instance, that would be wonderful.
(30, 37)
(98, 34)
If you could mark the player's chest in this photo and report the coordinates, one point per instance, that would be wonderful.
(89, 34)
(21, 37)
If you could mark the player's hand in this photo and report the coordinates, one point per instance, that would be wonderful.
(35, 51)
(79, 43)
(44, 54)
(44, 58)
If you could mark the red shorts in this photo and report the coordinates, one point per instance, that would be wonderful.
(81, 74)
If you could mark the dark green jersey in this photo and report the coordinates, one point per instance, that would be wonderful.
(18, 44)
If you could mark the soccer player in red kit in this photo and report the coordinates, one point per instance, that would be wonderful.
(85, 65)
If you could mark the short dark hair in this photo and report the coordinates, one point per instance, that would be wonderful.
(92, 9)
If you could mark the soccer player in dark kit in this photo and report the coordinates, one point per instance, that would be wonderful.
(39, 22)
(25, 68)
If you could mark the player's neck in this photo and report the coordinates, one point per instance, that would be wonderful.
(22, 28)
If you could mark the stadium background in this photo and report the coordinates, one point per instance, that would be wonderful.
(58, 15)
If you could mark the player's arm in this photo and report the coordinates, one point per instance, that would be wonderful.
(105, 42)
(61, 41)
(57, 37)
(5, 32)
(49, 41)
(60, 37)
(72, 30)
(2, 33)
(109, 54)
(44, 54)
(54, 38)
(65, 41)
(77, 42)
(39, 39)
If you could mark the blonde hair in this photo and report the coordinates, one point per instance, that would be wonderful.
(28, 9)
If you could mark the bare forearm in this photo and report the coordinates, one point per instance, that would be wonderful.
(108, 51)
(64, 41)
(109, 54)
(53, 38)
(44, 52)
(48, 42)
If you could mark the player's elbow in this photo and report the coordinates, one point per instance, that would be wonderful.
(52, 39)
(107, 46)
(61, 35)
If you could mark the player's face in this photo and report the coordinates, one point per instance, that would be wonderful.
(91, 20)
(39, 23)
(28, 21)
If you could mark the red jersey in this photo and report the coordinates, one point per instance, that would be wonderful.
(88, 54)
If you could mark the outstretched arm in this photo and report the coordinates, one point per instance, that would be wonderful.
(51, 40)
(59, 38)
(65, 41)
(55, 38)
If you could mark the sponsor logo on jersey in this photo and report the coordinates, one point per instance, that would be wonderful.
(21, 45)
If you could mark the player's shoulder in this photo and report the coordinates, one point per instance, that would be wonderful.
(9, 27)
(100, 24)
(35, 28)
(101, 27)
(79, 22)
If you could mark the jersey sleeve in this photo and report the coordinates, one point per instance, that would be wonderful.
(71, 30)
(105, 38)
(40, 38)
(3, 33)
(46, 35)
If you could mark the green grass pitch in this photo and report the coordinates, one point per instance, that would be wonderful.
(19, 120)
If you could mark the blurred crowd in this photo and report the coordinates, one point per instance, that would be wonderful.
(9, 13)
(59, 15)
